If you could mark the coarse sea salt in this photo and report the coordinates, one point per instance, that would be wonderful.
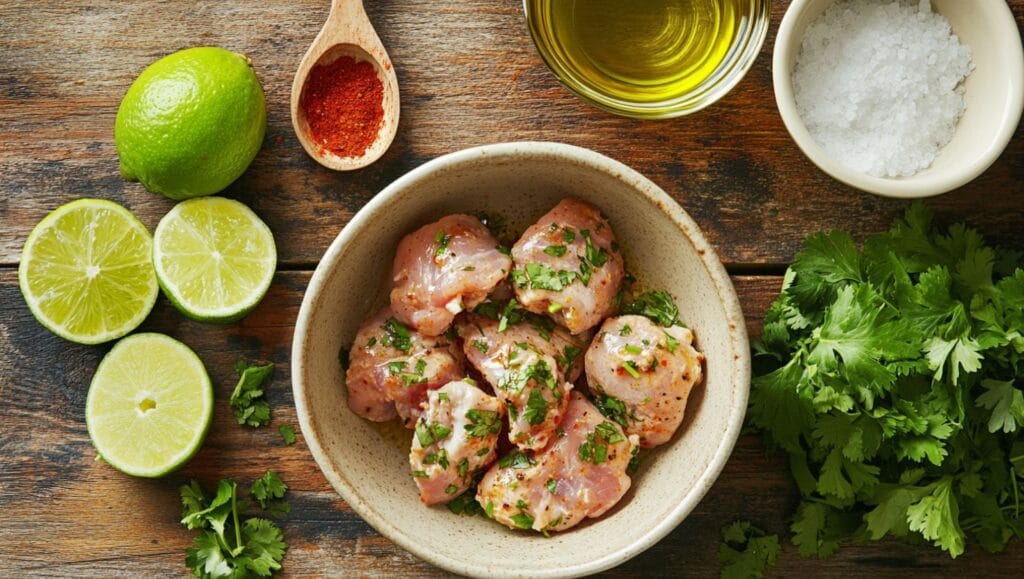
(878, 84)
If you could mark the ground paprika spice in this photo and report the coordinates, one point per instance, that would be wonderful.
(343, 101)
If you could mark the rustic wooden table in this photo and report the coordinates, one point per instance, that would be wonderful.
(469, 76)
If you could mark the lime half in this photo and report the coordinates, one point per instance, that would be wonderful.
(86, 273)
(214, 258)
(149, 405)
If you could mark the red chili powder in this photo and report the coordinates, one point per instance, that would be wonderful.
(343, 101)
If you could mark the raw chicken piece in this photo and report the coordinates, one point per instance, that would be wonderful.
(530, 373)
(482, 340)
(391, 368)
(443, 268)
(567, 265)
(642, 374)
(582, 473)
(455, 437)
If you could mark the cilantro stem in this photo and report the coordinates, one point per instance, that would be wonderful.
(239, 547)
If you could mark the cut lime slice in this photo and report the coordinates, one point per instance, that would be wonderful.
(149, 405)
(86, 272)
(214, 258)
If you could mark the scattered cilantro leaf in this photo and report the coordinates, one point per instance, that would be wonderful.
(268, 488)
(287, 434)
(247, 400)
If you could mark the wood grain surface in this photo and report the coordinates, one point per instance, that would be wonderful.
(469, 76)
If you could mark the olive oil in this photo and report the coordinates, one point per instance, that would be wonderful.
(639, 51)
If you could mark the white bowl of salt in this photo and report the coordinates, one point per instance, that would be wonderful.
(902, 98)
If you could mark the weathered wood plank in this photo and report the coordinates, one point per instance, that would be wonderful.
(469, 76)
(66, 514)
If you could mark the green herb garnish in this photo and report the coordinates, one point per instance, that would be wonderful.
(224, 547)
(612, 408)
(630, 368)
(441, 239)
(656, 305)
(482, 423)
(536, 408)
(440, 458)
(397, 336)
(287, 433)
(516, 459)
(428, 434)
(746, 551)
(247, 400)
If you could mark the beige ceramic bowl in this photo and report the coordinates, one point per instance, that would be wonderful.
(994, 93)
(368, 463)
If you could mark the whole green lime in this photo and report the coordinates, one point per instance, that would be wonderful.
(191, 123)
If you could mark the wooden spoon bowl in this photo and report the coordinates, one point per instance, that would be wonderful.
(347, 33)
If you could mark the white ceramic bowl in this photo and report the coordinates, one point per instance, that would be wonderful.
(994, 93)
(368, 464)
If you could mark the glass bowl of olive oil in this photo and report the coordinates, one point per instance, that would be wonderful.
(649, 58)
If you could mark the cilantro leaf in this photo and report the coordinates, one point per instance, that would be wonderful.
(536, 408)
(656, 305)
(746, 551)
(264, 546)
(287, 434)
(247, 400)
(397, 336)
(482, 423)
(267, 488)
(936, 517)
(1006, 404)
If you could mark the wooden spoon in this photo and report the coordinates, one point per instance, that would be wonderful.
(347, 32)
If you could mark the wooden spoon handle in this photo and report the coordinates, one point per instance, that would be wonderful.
(348, 11)
(348, 23)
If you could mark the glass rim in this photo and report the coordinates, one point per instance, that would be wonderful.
(733, 68)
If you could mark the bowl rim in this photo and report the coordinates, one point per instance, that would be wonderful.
(738, 341)
(900, 188)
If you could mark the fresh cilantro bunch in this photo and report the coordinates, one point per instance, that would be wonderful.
(225, 548)
(892, 376)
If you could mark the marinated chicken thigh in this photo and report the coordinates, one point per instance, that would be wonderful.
(391, 368)
(456, 436)
(581, 474)
(642, 374)
(442, 269)
(531, 367)
(567, 265)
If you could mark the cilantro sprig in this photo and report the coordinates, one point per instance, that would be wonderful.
(893, 377)
(225, 547)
